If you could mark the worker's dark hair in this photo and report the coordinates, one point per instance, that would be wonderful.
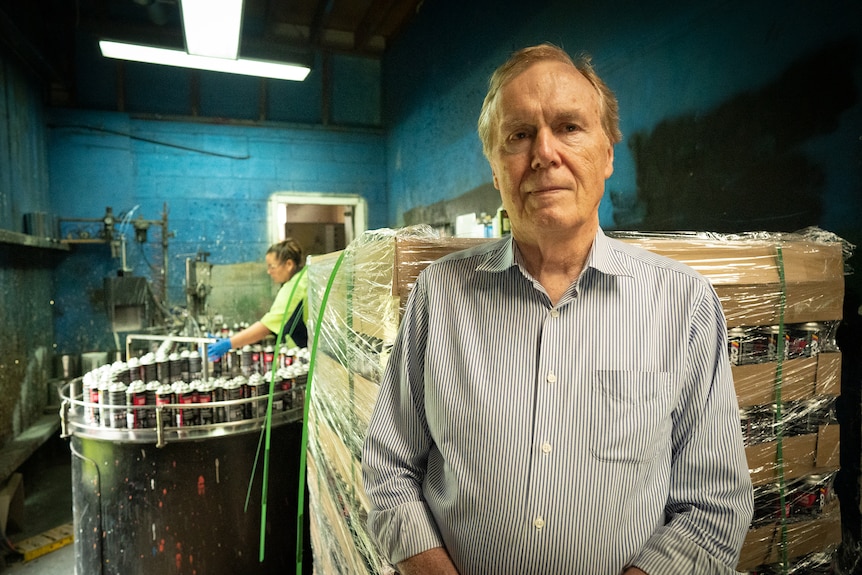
(287, 249)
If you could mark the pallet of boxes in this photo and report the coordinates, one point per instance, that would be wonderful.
(782, 295)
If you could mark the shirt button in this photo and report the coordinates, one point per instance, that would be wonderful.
(552, 378)
(546, 447)
(538, 522)
(555, 313)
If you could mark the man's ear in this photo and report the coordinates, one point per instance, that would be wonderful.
(609, 168)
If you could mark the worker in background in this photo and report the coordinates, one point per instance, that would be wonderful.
(557, 402)
(283, 263)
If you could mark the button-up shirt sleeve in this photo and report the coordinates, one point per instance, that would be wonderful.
(709, 505)
(397, 444)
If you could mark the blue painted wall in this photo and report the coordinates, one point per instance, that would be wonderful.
(26, 273)
(215, 181)
(695, 68)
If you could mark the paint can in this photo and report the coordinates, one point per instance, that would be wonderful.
(184, 366)
(136, 400)
(740, 350)
(151, 389)
(104, 400)
(148, 368)
(774, 335)
(205, 399)
(164, 398)
(220, 412)
(184, 395)
(257, 388)
(245, 361)
(811, 495)
(134, 367)
(233, 392)
(256, 358)
(284, 385)
(268, 358)
(120, 372)
(805, 339)
(175, 367)
(195, 365)
(163, 368)
(117, 401)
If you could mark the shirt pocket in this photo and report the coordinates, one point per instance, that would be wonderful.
(630, 415)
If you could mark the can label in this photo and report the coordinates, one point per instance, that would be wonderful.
(92, 411)
(234, 412)
(206, 411)
(776, 343)
(186, 416)
(164, 397)
(136, 400)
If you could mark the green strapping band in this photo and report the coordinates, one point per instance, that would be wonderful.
(779, 424)
(266, 432)
(300, 513)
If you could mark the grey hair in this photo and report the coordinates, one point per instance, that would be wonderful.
(526, 57)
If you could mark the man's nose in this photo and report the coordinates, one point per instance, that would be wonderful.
(545, 153)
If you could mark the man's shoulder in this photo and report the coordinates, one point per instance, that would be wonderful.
(471, 255)
(634, 256)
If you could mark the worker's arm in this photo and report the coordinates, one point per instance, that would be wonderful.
(252, 334)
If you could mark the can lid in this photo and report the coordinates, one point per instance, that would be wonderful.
(136, 386)
(181, 387)
(117, 386)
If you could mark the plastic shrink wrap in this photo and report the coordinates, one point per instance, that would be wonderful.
(782, 295)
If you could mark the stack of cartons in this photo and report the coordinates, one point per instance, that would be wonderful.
(780, 290)
(763, 281)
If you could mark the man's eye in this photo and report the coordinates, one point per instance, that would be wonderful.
(572, 128)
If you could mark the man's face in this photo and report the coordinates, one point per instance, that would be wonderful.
(550, 157)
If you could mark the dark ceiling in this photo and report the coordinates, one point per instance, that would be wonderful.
(42, 33)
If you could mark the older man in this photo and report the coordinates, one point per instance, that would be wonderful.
(557, 402)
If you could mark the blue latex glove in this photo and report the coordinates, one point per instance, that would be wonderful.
(218, 349)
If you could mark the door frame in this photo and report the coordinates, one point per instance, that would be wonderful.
(278, 199)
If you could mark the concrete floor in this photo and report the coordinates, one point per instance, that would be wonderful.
(47, 504)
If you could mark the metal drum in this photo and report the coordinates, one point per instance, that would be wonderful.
(172, 499)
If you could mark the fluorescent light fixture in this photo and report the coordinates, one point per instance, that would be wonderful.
(212, 27)
(167, 57)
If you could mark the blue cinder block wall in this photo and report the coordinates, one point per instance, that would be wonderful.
(26, 273)
(214, 181)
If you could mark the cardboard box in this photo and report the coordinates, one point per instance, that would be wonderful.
(413, 255)
(745, 273)
(801, 455)
(365, 394)
(763, 545)
(801, 378)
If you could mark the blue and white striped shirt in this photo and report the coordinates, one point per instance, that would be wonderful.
(579, 438)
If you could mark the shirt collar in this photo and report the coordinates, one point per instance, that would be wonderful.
(603, 257)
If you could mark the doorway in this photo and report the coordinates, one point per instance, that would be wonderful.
(321, 223)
